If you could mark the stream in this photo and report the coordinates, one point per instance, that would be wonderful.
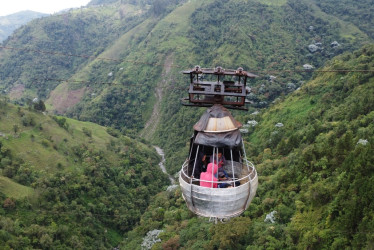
(162, 164)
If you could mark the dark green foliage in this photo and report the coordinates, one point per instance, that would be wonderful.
(99, 198)
(113, 132)
(15, 128)
(358, 12)
(78, 33)
(257, 37)
(329, 166)
(39, 106)
(312, 171)
(317, 174)
(28, 121)
(61, 121)
(116, 108)
(87, 131)
(11, 22)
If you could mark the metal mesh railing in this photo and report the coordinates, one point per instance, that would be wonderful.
(248, 173)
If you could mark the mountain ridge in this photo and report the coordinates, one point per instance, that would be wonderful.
(315, 173)
(61, 178)
(11, 22)
(314, 168)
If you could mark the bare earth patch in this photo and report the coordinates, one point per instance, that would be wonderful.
(16, 92)
(62, 98)
(150, 126)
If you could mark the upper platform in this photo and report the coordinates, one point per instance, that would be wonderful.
(217, 86)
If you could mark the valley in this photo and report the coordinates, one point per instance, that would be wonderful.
(86, 96)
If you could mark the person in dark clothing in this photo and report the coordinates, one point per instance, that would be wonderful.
(226, 182)
(201, 164)
(221, 162)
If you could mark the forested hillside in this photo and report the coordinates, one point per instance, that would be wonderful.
(70, 184)
(361, 11)
(37, 56)
(66, 183)
(11, 22)
(316, 174)
(113, 54)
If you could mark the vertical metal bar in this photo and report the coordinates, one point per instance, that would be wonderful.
(217, 158)
(213, 166)
(189, 157)
(193, 170)
(245, 156)
(194, 165)
(249, 177)
(232, 166)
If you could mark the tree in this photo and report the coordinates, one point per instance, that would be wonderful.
(9, 203)
(15, 128)
(230, 235)
(40, 106)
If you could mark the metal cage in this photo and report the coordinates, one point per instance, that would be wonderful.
(219, 202)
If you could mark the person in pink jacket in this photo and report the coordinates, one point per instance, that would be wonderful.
(206, 177)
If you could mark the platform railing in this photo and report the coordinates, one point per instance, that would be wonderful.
(243, 179)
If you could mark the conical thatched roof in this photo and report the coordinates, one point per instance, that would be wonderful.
(217, 128)
(217, 119)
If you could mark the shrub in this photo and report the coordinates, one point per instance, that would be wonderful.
(87, 131)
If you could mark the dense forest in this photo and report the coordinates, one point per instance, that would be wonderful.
(69, 184)
(316, 174)
(11, 22)
(113, 59)
(117, 63)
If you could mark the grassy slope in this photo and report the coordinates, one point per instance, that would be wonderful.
(269, 49)
(49, 148)
(66, 167)
(13, 189)
(143, 56)
(323, 123)
(320, 182)
(83, 32)
(257, 37)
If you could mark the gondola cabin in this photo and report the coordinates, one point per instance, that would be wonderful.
(217, 180)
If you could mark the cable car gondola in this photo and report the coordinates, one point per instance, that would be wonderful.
(217, 180)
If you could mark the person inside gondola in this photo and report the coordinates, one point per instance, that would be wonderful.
(222, 180)
(226, 182)
(201, 164)
(207, 177)
(221, 162)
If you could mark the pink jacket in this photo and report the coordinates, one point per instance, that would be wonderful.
(207, 176)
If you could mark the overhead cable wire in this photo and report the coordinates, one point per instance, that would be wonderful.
(72, 81)
(82, 56)
(314, 70)
(263, 72)
(34, 80)
(55, 53)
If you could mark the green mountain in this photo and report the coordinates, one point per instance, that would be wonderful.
(105, 63)
(129, 42)
(70, 184)
(118, 64)
(12, 22)
(315, 174)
